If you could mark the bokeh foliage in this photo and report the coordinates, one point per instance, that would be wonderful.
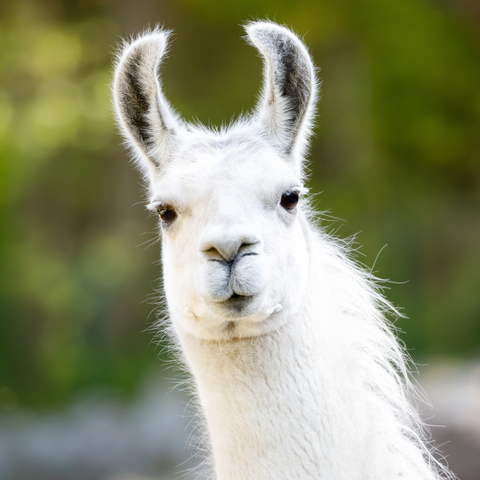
(396, 154)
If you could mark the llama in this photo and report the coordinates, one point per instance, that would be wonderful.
(297, 371)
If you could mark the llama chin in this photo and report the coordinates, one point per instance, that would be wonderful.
(297, 371)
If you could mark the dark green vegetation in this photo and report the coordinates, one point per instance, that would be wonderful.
(396, 154)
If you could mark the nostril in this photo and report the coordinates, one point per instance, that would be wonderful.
(211, 251)
(246, 246)
(246, 254)
(212, 254)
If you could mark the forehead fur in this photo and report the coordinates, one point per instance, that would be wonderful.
(213, 161)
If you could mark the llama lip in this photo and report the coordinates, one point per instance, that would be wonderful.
(236, 298)
(238, 304)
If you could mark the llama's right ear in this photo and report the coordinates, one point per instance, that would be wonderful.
(286, 109)
(144, 116)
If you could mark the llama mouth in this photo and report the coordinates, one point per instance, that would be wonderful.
(237, 298)
(238, 303)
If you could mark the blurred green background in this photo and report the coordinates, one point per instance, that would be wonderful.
(396, 154)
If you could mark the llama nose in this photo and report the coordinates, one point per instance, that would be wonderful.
(219, 242)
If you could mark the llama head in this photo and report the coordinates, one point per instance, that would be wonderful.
(234, 251)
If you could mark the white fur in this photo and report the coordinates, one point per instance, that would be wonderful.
(305, 380)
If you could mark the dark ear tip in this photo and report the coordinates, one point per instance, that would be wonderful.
(152, 43)
(147, 49)
(261, 33)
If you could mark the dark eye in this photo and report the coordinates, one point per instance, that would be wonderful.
(166, 213)
(289, 200)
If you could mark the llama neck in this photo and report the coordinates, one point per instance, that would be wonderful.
(272, 403)
(309, 400)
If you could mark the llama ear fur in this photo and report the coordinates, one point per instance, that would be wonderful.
(144, 116)
(286, 108)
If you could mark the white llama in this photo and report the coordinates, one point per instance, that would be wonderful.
(297, 372)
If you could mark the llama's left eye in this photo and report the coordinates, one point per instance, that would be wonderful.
(166, 213)
(289, 200)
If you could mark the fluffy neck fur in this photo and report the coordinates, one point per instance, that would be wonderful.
(310, 401)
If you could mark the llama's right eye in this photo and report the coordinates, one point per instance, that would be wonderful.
(289, 200)
(166, 213)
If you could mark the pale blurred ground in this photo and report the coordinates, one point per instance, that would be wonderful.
(99, 437)
(454, 392)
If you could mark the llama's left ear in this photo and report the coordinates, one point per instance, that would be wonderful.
(145, 118)
(286, 109)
